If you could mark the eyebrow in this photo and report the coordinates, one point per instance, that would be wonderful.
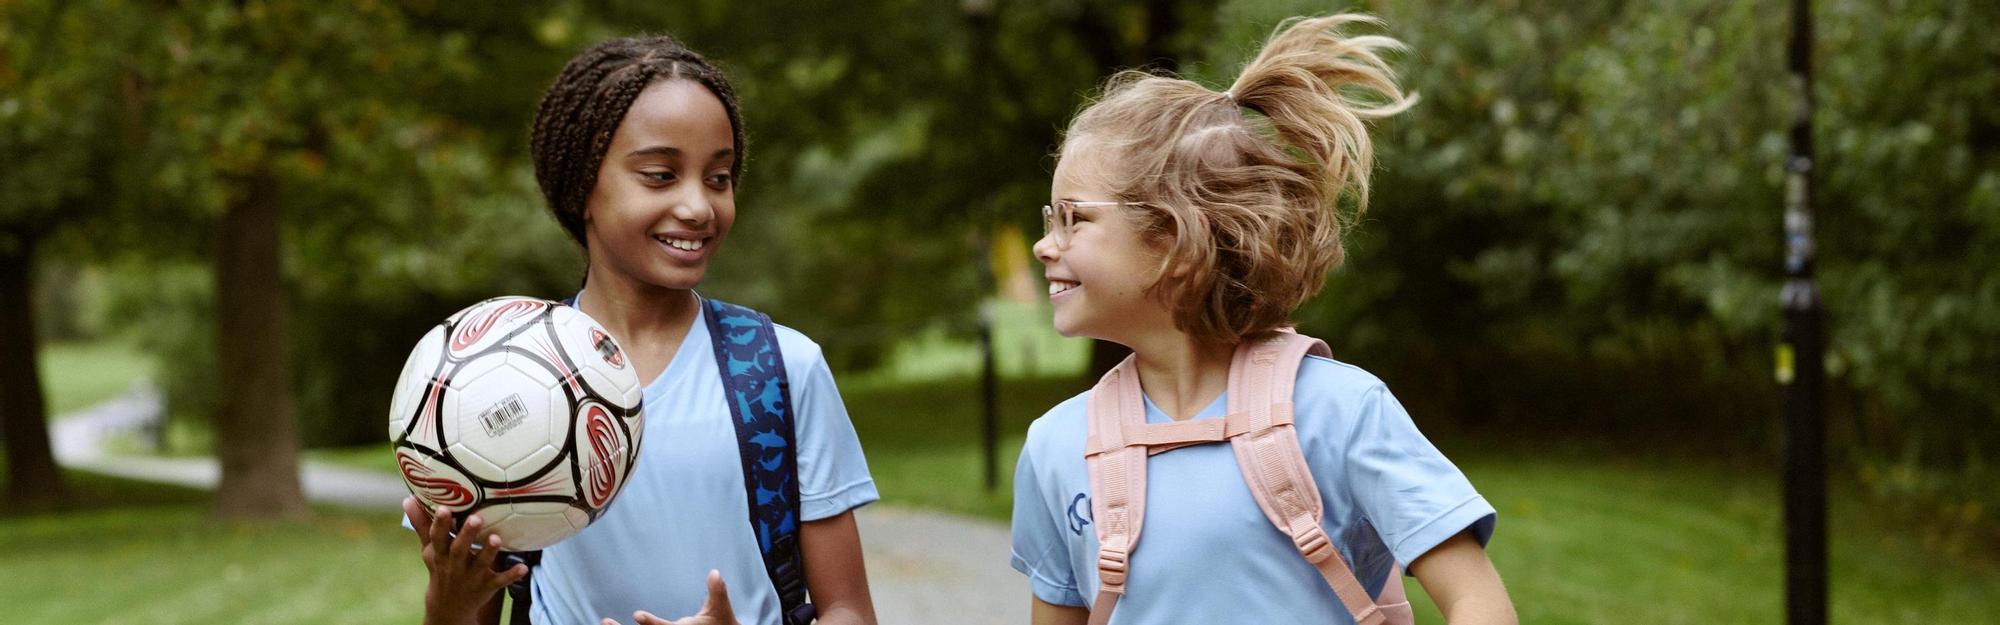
(662, 150)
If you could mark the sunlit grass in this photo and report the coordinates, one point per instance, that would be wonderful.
(144, 553)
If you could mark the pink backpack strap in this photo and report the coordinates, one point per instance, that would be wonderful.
(1261, 378)
(1117, 479)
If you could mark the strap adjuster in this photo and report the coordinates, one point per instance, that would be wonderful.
(802, 615)
(1312, 542)
(1111, 567)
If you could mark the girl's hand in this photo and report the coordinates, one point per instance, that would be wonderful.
(462, 580)
(714, 611)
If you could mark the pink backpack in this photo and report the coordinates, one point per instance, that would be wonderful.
(1259, 427)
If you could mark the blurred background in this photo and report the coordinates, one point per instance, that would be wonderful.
(224, 224)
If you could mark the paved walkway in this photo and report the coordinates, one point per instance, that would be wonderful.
(923, 567)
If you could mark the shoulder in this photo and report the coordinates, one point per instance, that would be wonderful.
(802, 355)
(1327, 376)
(1348, 393)
(1060, 431)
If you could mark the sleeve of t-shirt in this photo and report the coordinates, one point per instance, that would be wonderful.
(1413, 496)
(1039, 550)
(833, 475)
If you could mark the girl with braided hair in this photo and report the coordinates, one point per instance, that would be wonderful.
(1188, 224)
(638, 149)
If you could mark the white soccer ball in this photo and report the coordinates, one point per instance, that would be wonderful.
(522, 410)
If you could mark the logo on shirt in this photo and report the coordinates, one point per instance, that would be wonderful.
(1079, 513)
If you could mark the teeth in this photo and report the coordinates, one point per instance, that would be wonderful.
(685, 244)
(1058, 286)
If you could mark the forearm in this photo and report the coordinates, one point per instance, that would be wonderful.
(1045, 613)
(1464, 583)
(844, 615)
(836, 578)
(1495, 609)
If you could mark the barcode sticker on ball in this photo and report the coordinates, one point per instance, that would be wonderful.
(503, 416)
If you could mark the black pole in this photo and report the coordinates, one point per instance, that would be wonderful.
(1801, 357)
(989, 394)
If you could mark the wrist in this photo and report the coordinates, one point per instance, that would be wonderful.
(436, 613)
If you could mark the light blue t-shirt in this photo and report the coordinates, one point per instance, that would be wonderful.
(1206, 553)
(683, 511)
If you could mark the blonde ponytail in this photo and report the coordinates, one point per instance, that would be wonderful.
(1320, 88)
(1249, 204)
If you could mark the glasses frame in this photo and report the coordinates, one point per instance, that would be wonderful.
(1059, 219)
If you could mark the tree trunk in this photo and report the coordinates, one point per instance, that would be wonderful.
(256, 434)
(33, 481)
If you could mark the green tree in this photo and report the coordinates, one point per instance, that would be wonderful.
(65, 85)
(286, 121)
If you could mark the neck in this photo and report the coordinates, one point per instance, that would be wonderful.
(634, 311)
(1181, 374)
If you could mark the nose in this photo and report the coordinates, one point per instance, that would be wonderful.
(1046, 249)
(694, 208)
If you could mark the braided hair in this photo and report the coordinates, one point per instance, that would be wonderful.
(581, 110)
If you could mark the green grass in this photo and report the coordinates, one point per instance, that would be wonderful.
(142, 553)
(77, 375)
(1593, 538)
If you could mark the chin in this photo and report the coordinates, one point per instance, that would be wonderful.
(1070, 328)
(682, 280)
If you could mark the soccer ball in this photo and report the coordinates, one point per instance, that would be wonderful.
(522, 410)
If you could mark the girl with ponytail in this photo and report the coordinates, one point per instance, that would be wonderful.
(1188, 224)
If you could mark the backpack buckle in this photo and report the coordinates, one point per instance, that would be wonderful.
(802, 615)
(1312, 541)
(1111, 567)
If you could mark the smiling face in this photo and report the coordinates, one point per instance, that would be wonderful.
(1098, 282)
(665, 197)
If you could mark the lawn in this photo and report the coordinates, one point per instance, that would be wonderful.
(142, 553)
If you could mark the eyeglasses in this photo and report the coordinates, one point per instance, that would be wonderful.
(1059, 220)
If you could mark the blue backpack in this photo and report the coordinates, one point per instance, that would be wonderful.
(759, 398)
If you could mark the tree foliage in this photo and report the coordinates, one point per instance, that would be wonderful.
(1576, 230)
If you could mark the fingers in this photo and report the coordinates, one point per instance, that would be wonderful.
(717, 603)
(607, 622)
(484, 561)
(461, 547)
(717, 593)
(646, 618)
(420, 520)
(513, 574)
(440, 528)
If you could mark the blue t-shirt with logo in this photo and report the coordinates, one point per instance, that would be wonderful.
(1206, 553)
(683, 512)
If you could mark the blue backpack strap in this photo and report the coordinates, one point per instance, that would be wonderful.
(759, 398)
